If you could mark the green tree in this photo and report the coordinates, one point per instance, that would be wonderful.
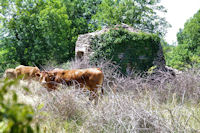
(187, 53)
(80, 13)
(37, 31)
(180, 36)
(139, 14)
(190, 34)
(167, 50)
(182, 58)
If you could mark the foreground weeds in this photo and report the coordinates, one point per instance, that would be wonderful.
(130, 104)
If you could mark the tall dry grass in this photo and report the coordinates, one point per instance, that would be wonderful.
(131, 104)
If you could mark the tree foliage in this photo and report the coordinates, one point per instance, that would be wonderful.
(187, 53)
(37, 31)
(80, 12)
(139, 14)
(190, 34)
(167, 50)
(182, 58)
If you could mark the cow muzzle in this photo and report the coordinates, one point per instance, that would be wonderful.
(43, 82)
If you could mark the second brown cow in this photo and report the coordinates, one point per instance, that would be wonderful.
(28, 72)
(90, 79)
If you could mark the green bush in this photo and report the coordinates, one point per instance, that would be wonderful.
(136, 50)
(182, 58)
(186, 54)
(15, 117)
(37, 32)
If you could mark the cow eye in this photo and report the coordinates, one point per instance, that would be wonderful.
(52, 77)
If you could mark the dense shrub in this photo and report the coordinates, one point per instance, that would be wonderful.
(15, 117)
(36, 33)
(136, 50)
(182, 58)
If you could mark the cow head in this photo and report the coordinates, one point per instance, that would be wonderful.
(45, 77)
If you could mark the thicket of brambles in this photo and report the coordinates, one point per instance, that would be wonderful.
(130, 104)
(15, 116)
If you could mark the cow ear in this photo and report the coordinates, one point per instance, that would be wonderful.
(55, 73)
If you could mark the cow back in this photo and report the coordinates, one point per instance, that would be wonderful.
(27, 71)
(10, 73)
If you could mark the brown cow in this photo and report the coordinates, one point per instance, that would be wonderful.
(28, 72)
(90, 79)
(10, 73)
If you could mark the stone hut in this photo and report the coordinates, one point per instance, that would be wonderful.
(83, 43)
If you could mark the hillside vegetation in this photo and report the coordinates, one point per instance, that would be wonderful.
(187, 54)
(36, 31)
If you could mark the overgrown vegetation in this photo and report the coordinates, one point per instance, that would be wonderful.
(139, 14)
(187, 54)
(162, 104)
(36, 31)
(133, 50)
(15, 117)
